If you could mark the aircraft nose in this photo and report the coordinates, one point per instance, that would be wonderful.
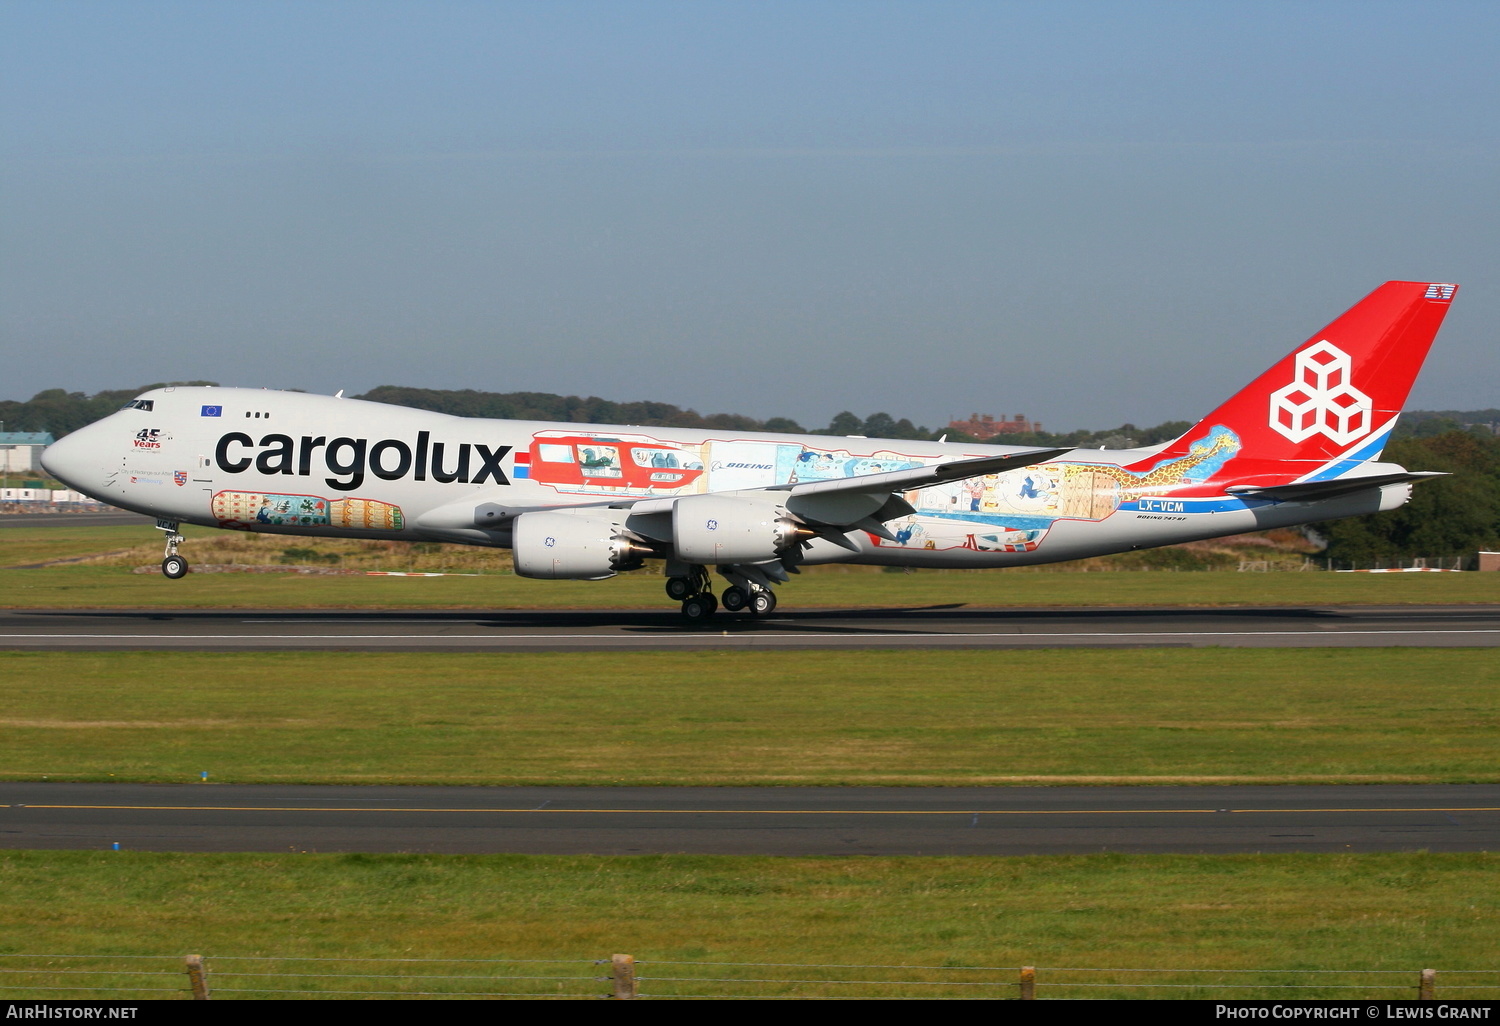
(75, 462)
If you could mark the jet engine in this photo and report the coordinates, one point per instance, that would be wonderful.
(717, 530)
(575, 545)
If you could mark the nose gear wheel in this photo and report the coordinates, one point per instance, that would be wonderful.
(173, 566)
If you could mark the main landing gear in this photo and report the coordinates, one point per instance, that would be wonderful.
(694, 590)
(760, 602)
(173, 566)
(748, 590)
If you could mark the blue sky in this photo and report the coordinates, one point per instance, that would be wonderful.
(1089, 213)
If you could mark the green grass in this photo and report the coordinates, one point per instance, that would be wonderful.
(96, 587)
(106, 580)
(137, 546)
(1251, 912)
(20, 546)
(756, 718)
(1136, 716)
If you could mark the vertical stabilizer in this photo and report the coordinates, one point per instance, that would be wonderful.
(1331, 404)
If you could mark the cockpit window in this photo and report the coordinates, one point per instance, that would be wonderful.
(140, 404)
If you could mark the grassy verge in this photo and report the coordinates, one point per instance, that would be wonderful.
(949, 718)
(105, 580)
(136, 546)
(1254, 912)
(96, 587)
(20, 546)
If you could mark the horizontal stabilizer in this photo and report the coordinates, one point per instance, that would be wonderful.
(1306, 491)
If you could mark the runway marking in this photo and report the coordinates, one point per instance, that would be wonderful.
(725, 638)
(744, 812)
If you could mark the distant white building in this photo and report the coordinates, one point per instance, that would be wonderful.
(51, 496)
(21, 451)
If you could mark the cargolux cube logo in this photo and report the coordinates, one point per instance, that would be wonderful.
(1322, 400)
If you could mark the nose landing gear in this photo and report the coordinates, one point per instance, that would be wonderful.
(173, 566)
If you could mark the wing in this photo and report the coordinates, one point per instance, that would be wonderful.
(828, 508)
(923, 477)
(864, 503)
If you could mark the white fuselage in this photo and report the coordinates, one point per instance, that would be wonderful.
(293, 463)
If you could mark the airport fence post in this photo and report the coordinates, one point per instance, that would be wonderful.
(622, 972)
(1028, 983)
(197, 977)
(1427, 985)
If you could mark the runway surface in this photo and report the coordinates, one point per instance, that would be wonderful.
(606, 630)
(108, 519)
(751, 821)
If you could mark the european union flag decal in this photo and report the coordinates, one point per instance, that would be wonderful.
(213, 411)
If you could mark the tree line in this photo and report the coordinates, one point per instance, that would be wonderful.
(1453, 516)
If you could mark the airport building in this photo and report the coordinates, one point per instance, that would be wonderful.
(49, 496)
(21, 451)
(983, 426)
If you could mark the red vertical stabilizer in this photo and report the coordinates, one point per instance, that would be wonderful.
(1331, 403)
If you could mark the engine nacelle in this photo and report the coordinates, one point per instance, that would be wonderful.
(581, 545)
(717, 530)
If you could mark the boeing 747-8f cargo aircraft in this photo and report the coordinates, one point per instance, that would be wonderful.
(1300, 444)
